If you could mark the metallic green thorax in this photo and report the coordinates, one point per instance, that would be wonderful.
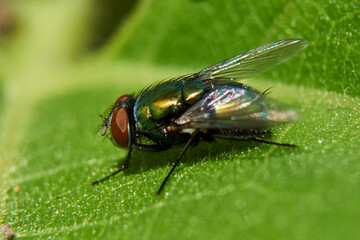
(157, 106)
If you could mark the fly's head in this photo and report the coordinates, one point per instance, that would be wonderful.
(120, 121)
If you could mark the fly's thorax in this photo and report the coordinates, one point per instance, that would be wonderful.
(192, 92)
(166, 104)
(159, 105)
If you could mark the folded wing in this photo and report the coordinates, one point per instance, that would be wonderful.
(235, 106)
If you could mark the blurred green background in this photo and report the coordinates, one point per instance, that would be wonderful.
(63, 62)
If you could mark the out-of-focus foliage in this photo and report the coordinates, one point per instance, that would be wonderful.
(203, 32)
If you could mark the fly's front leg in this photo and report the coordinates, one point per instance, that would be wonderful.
(177, 161)
(150, 148)
(125, 166)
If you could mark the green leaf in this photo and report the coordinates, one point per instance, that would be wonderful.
(50, 152)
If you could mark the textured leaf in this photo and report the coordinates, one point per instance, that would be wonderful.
(50, 152)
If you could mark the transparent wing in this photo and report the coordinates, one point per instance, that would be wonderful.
(253, 62)
(235, 107)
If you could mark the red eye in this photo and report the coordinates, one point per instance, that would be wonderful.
(119, 127)
(122, 98)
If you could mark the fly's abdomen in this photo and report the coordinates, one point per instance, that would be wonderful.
(159, 105)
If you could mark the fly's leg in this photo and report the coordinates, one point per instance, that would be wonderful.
(177, 161)
(251, 138)
(125, 166)
(150, 148)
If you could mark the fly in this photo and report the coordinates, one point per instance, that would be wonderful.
(206, 105)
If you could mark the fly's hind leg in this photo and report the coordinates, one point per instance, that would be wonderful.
(254, 139)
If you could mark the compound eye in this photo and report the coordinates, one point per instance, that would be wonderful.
(120, 127)
(122, 98)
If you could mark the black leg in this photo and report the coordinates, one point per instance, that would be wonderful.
(150, 148)
(176, 163)
(255, 139)
(125, 166)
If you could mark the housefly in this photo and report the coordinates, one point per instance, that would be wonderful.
(206, 105)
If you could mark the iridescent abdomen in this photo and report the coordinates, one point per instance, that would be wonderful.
(159, 105)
